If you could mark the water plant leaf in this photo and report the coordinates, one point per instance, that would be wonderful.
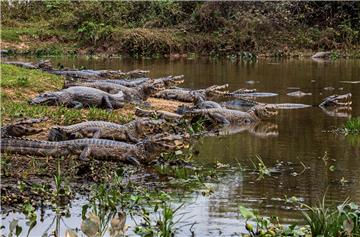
(246, 213)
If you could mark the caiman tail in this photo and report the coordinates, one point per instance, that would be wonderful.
(33, 147)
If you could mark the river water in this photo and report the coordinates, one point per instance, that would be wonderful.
(303, 139)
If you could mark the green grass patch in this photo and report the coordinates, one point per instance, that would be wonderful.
(28, 81)
(352, 126)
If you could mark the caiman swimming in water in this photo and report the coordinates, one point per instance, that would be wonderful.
(79, 97)
(133, 131)
(101, 149)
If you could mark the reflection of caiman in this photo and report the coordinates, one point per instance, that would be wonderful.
(78, 97)
(101, 149)
(186, 95)
(259, 129)
(131, 94)
(130, 132)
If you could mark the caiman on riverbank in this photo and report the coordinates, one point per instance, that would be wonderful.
(141, 152)
(46, 66)
(79, 97)
(131, 94)
(133, 131)
(187, 95)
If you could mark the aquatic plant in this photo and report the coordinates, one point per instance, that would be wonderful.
(260, 168)
(325, 221)
(257, 225)
(352, 126)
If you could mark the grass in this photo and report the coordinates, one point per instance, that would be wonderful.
(352, 126)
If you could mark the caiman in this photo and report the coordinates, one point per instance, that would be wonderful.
(45, 65)
(131, 94)
(328, 103)
(101, 149)
(158, 114)
(229, 116)
(79, 97)
(133, 131)
(187, 95)
(23, 127)
(166, 82)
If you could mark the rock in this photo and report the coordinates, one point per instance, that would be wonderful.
(298, 94)
(325, 54)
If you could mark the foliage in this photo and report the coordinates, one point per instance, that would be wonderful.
(149, 29)
(325, 221)
(265, 226)
(352, 126)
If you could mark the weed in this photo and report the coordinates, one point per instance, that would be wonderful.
(341, 221)
(260, 168)
(352, 126)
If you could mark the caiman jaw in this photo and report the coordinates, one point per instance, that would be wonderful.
(337, 100)
(265, 111)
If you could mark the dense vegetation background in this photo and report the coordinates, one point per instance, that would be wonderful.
(168, 27)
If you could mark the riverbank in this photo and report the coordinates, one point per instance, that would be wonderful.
(181, 29)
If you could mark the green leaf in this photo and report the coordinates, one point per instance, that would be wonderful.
(246, 213)
(18, 230)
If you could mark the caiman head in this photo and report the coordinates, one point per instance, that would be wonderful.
(165, 142)
(47, 98)
(337, 100)
(58, 134)
(263, 111)
(150, 87)
(173, 81)
(153, 126)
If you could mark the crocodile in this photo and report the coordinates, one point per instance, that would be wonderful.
(187, 95)
(328, 103)
(22, 127)
(130, 132)
(298, 94)
(337, 105)
(79, 97)
(101, 149)
(159, 114)
(166, 82)
(45, 65)
(229, 116)
(100, 74)
(131, 94)
(241, 93)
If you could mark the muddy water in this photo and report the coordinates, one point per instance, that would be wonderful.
(302, 140)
